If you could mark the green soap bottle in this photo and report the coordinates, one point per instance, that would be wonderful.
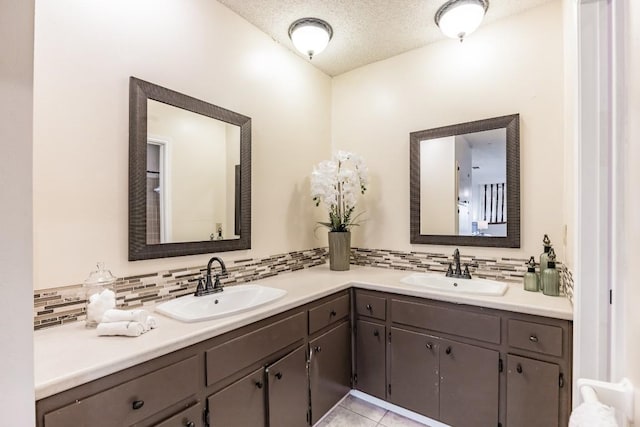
(544, 257)
(531, 280)
(550, 277)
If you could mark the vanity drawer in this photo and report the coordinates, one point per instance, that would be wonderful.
(149, 393)
(192, 416)
(228, 358)
(328, 313)
(460, 322)
(371, 306)
(536, 337)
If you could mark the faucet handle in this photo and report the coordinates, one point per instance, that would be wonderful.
(449, 271)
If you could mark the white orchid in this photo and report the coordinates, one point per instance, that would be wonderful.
(336, 186)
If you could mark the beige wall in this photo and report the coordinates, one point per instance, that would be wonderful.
(632, 209)
(437, 189)
(16, 230)
(84, 55)
(510, 66)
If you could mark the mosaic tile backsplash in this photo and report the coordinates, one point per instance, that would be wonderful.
(57, 306)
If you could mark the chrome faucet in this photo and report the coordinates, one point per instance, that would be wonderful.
(458, 273)
(208, 287)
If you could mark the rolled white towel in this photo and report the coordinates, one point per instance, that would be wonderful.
(592, 414)
(115, 315)
(151, 323)
(99, 303)
(124, 328)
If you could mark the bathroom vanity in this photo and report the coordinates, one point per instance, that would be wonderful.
(464, 360)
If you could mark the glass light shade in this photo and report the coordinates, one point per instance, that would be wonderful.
(310, 36)
(458, 19)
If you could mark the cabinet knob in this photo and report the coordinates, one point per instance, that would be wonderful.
(376, 333)
(137, 404)
(318, 349)
(448, 350)
(279, 375)
(259, 384)
(369, 307)
(333, 313)
(533, 338)
(519, 368)
(429, 346)
(190, 424)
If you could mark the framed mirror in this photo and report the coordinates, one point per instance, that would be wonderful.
(465, 184)
(189, 175)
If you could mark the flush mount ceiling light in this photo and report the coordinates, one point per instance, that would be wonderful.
(310, 35)
(459, 18)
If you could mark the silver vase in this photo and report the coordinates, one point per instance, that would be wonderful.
(339, 250)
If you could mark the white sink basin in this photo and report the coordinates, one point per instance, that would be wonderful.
(232, 300)
(461, 286)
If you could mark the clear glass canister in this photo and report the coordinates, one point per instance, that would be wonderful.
(100, 295)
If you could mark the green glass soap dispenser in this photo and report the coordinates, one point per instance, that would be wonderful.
(550, 278)
(531, 281)
(544, 257)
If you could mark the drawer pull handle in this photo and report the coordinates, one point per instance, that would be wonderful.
(279, 375)
(448, 350)
(533, 338)
(429, 346)
(318, 349)
(369, 307)
(190, 424)
(333, 313)
(137, 404)
(519, 368)
(376, 333)
(259, 384)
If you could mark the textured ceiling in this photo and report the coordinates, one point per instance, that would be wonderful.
(364, 31)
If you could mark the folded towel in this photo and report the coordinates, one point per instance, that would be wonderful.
(591, 414)
(115, 315)
(124, 328)
(99, 303)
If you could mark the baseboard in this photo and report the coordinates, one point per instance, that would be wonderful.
(396, 409)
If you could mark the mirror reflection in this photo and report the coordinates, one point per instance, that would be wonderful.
(192, 184)
(463, 184)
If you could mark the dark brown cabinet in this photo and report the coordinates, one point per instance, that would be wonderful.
(240, 404)
(469, 390)
(330, 369)
(287, 387)
(414, 374)
(371, 358)
(532, 392)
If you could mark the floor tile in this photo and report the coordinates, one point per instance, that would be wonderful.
(363, 408)
(394, 420)
(342, 417)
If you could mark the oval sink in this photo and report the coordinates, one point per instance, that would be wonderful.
(455, 285)
(232, 300)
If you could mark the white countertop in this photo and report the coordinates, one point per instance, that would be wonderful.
(71, 355)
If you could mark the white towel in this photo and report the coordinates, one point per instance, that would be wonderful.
(99, 303)
(151, 323)
(115, 315)
(124, 328)
(593, 414)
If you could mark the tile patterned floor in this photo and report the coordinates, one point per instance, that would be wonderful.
(353, 412)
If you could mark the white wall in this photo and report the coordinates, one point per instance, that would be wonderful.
(84, 55)
(632, 209)
(437, 189)
(16, 295)
(510, 66)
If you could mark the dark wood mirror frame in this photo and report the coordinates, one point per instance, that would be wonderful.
(139, 92)
(512, 239)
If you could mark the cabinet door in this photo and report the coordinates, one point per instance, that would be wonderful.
(241, 404)
(414, 376)
(468, 385)
(288, 390)
(532, 392)
(330, 369)
(371, 358)
(190, 417)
